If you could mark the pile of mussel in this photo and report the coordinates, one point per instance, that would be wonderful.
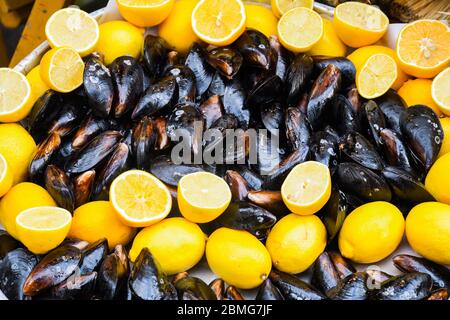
(126, 115)
(77, 270)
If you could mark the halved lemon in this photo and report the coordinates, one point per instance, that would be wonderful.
(219, 22)
(62, 69)
(16, 99)
(440, 91)
(6, 177)
(359, 24)
(140, 199)
(42, 229)
(423, 48)
(376, 76)
(73, 28)
(307, 188)
(145, 13)
(300, 29)
(203, 196)
(280, 7)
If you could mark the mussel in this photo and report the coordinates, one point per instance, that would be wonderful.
(298, 129)
(89, 128)
(352, 287)
(358, 149)
(156, 52)
(347, 68)
(113, 275)
(254, 180)
(233, 99)
(196, 61)
(227, 61)
(410, 286)
(440, 294)
(53, 269)
(98, 85)
(343, 267)
(218, 287)
(269, 200)
(267, 291)
(69, 117)
(392, 106)
(272, 117)
(292, 288)
(297, 78)
(60, 187)
(266, 91)
(7, 243)
(325, 277)
(164, 169)
(148, 282)
(232, 293)
(375, 121)
(128, 80)
(76, 287)
(238, 185)
(93, 256)
(344, 117)
(186, 82)
(334, 212)
(44, 153)
(324, 149)
(255, 49)
(212, 110)
(195, 288)
(162, 140)
(83, 186)
(143, 142)
(283, 57)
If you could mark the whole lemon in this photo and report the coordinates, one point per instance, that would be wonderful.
(445, 147)
(22, 196)
(98, 219)
(261, 19)
(437, 181)
(176, 243)
(360, 56)
(18, 147)
(428, 231)
(371, 232)
(295, 242)
(418, 91)
(329, 45)
(177, 28)
(119, 38)
(238, 257)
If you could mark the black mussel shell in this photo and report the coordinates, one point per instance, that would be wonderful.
(195, 287)
(44, 153)
(218, 287)
(196, 61)
(159, 98)
(44, 111)
(94, 152)
(324, 148)
(148, 282)
(410, 286)
(292, 288)
(215, 141)
(89, 128)
(362, 182)
(268, 292)
(343, 267)
(324, 89)
(93, 256)
(238, 185)
(391, 97)
(113, 275)
(71, 114)
(423, 133)
(405, 186)
(227, 61)
(186, 82)
(283, 57)
(269, 200)
(438, 273)
(272, 117)
(212, 110)
(325, 277)
(7, 243)
(298, 129)
(358, 149)
(356, 101)
(254, 180)
(217, 86)
(156, 50)
(170, 173)
(392, 106)
(265, 92)
(162, 139)
(297, 78)
(128, 78)
(255, 49)
(268, 152)
(334, 212)
(347, 68)
(143, 142)
(98, 85)
(15, 267)
(83, 186)
(375, 277)
(77, 287)
(53, 269)
(60, 187)
(344, 117)
(234, 98)
(375, 121)
(352, 287)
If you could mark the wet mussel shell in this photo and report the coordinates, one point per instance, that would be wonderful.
(77, 287)
(218, 287)
(352, 287)
(43, 156)
(195, 288)
(347, 68)
(268, 292)
(325, 277)
(292, 288)
(113, 275)
(410, 286)
(227, 61)
(357, 148)
(255, 48)
(164, 169)
(93, 256)
(185, 79)
(156, 51)
(203, 72)
(297, 78)
(60, 187)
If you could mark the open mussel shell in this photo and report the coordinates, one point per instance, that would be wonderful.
(362, 182)
(282, 56)
(234, 99)
(347, 68)
(272, 201)
(292, 288)
(357, 148)
(128, 77)
(52, 270)
(113, 275)
(42, 158)
(93, 256)
(410, 286)
(143, 142)
(203, 72)
(60, 187)
(164, 169)
(227, 61)
(218, 287)
(352, 287)
(268, 292)
(439, 274)
(297, 78)
(298, 129)
(147, 280)
(98, 85)
(324, 89)
(255, 49)
(423, 133)
(156, 52)
(89, 128)
(266, 91)
(325, 277)
(195, 288)
(159, 98)
(405, 186)
(344, 117)
(43, 113)
(15, 267)
(212, 110)
(94, 152)
(186, 82)
(238, 185)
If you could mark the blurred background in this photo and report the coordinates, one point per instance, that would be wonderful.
(22, 24)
